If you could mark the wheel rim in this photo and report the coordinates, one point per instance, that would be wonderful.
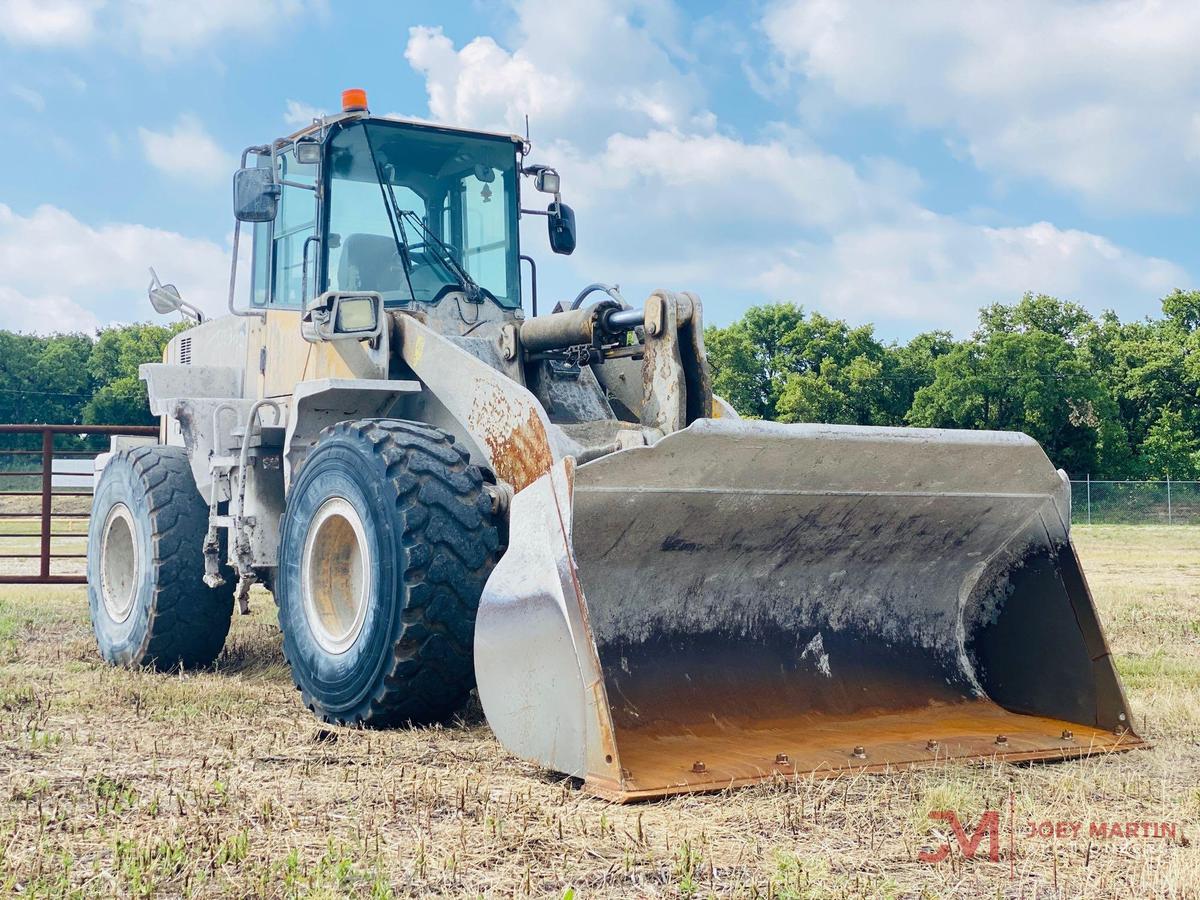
(119, 560)
(336, 575)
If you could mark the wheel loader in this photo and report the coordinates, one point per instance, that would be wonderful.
(445, 492)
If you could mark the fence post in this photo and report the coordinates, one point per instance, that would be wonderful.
(47, 488)
(1170, 516)
(1089, 496)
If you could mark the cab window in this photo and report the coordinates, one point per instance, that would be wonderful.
(294, 224)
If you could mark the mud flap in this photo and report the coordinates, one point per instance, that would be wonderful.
(747, 599)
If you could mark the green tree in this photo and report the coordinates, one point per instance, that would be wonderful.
(1148, 366)
(74, 378)
(750, 359)
(1029, 381)
(120, 396)
(1034, 312)
(912, 368)
(1182, 309)
(43, 379)
(838, 374)
(1171, 448)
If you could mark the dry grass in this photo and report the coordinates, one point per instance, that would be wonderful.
(220, 783)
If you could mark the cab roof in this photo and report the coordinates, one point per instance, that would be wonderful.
(325, 121)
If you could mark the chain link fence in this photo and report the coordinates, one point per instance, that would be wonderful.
(1098, 502)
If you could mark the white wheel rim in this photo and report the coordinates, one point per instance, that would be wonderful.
(335, 576)
(119, 563)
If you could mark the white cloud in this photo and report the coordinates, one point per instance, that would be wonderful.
(483, 83)
(43, 313)
(48, 23)
(668, 197)
(159, 28)
(57, 272)
(744, 222)
(28, 96)
(940, 270)
(762, 185)
(580, 68)
(299, 114)
(187, 151)
(167, 27)
(1096, 98)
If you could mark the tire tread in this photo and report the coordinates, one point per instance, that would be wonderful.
(451, 543)
(188, 621)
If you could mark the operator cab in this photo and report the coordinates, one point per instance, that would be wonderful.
(419, 214)
(414, 212)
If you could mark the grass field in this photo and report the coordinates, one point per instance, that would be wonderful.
(220, 783)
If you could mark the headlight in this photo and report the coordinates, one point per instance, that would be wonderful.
(355, 314)
(547, 181)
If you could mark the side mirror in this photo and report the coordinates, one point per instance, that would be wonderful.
(561, 221)
(165, 299)
(255, 195)
(340, 316)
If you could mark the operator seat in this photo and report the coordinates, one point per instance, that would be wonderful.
(369, 262)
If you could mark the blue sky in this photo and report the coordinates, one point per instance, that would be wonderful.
(901, 164)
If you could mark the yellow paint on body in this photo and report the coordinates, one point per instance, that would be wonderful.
(290, 358)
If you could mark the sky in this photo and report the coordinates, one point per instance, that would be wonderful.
(894, 163)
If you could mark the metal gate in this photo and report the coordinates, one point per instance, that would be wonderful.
(35, 511)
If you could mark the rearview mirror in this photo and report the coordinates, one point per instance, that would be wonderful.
(561, 222)
(255, 195)
(165, 299)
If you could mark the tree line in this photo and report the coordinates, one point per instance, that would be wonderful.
(1104, 397)
(79, 378)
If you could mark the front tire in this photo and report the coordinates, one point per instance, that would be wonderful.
(386, 543)
(148, 601)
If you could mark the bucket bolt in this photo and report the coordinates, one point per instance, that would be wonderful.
(699, 768)
(859, 753)
(931, 745)
(782, 759)
(1001, 740)
(1068, 734)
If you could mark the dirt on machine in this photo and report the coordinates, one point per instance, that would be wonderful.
(446, 489)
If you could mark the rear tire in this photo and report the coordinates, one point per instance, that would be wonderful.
(149, 603)
(385, 546)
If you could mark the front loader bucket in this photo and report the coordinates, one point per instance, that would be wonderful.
(745, 600)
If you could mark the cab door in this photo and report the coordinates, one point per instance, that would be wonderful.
(280, 279)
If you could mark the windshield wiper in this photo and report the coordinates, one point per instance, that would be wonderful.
(447, 257)
(394, 220)
(396, 217)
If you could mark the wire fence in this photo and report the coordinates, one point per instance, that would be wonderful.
(1168, 502)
